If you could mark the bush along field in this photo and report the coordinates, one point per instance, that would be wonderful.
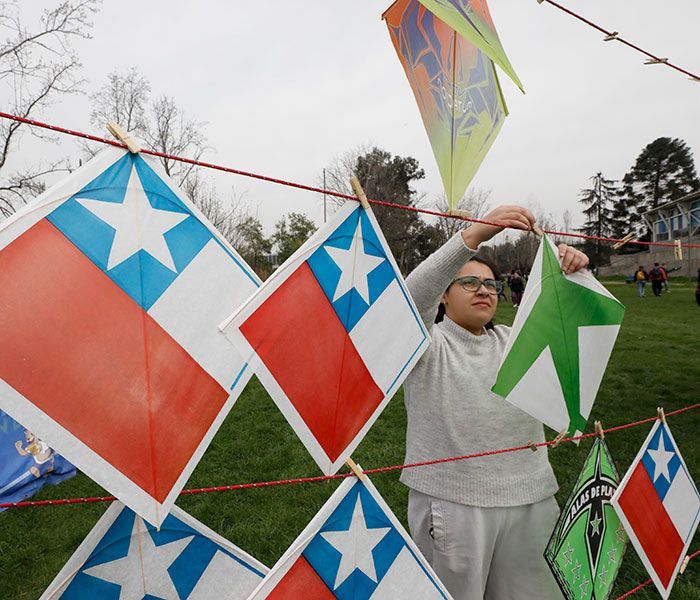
(656, 362)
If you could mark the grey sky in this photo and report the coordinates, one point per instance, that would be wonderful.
(285, 86)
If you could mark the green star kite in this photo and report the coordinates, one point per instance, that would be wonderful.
(560, 344)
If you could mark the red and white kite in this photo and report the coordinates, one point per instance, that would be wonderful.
(112, 285)
(332, 334)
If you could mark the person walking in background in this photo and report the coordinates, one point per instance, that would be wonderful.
(517, 287)
(641, 278)
(656, 275)
(664, 277)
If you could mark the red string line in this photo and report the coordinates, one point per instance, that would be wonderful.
(310, 188)
(621, 40)
(648, 581)
(261, 484)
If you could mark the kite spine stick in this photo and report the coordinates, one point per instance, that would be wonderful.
(359, 192)
(118, 132)
(599, 430)
(356, 469)
(662, 415)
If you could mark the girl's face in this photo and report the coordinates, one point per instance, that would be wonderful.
(471, 310)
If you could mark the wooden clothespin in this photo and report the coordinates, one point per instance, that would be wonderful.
(661, 414)
(530, 443)
(684, 564)
(461, 214)
(655, 61)
(537, 230)
(678, 250)
(355, 468)
(599, 430)
(625, 240)
(540, 1)
(611, 36)
(560, 436)
(359, 192)
(695, 79)
(116, 130)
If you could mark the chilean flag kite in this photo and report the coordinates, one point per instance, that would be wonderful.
(659, 506)
(353, 549)
(123, 558)
(112, 286)
(332, 334)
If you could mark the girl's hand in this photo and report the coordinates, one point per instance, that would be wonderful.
(572, 260)
(508, 215)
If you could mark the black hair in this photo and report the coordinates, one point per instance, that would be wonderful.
(496, 275)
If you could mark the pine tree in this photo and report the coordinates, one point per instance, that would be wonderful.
(664, 171)
(600, 202)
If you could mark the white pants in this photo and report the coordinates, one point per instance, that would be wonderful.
(486, 553)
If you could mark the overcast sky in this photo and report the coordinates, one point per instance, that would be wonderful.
(286, 86)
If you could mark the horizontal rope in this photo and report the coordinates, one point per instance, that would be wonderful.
(262, 484)
(648, 581)
(317, 190)
(614, 36)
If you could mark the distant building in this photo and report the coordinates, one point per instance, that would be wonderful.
(675, 220)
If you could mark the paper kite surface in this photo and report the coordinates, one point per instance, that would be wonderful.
(124, 558)
(472, 19)
(332, 334)
(27, 464)
(353, 549)
(659, 505)
(112, 286)
(456, 88)
(588, 542)
(560, 343)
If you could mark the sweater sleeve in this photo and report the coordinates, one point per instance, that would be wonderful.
(428, 281)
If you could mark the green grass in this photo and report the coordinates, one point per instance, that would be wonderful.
(655, 362)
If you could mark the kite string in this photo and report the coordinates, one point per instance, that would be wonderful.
(613, 36)
(317, 190)
(261, 484)
(648, 581)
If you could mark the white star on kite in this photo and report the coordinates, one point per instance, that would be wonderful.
(568, 553)
(138, 226)
(144, 570)
(355, 265)
(595, 526)
(355, 546)
(661, 458)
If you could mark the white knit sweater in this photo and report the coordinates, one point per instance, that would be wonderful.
(452, 412)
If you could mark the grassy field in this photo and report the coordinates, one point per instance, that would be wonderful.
(656, 362)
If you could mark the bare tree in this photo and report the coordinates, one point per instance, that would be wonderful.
(37, 65)
(475, 202)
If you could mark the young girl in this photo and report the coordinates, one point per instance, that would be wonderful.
(482, 523)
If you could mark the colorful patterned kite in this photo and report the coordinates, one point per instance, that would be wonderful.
(588, 543)
(456, 88)
(332, 334)
(472, 19)
(560, 344)
(112, 285)
(123, 558)
(354, 548)
(659, 506)
(26, 463)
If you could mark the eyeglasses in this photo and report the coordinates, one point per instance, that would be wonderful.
(471, 283)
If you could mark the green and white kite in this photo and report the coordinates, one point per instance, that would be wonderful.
(588, 542)
(559, 345)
